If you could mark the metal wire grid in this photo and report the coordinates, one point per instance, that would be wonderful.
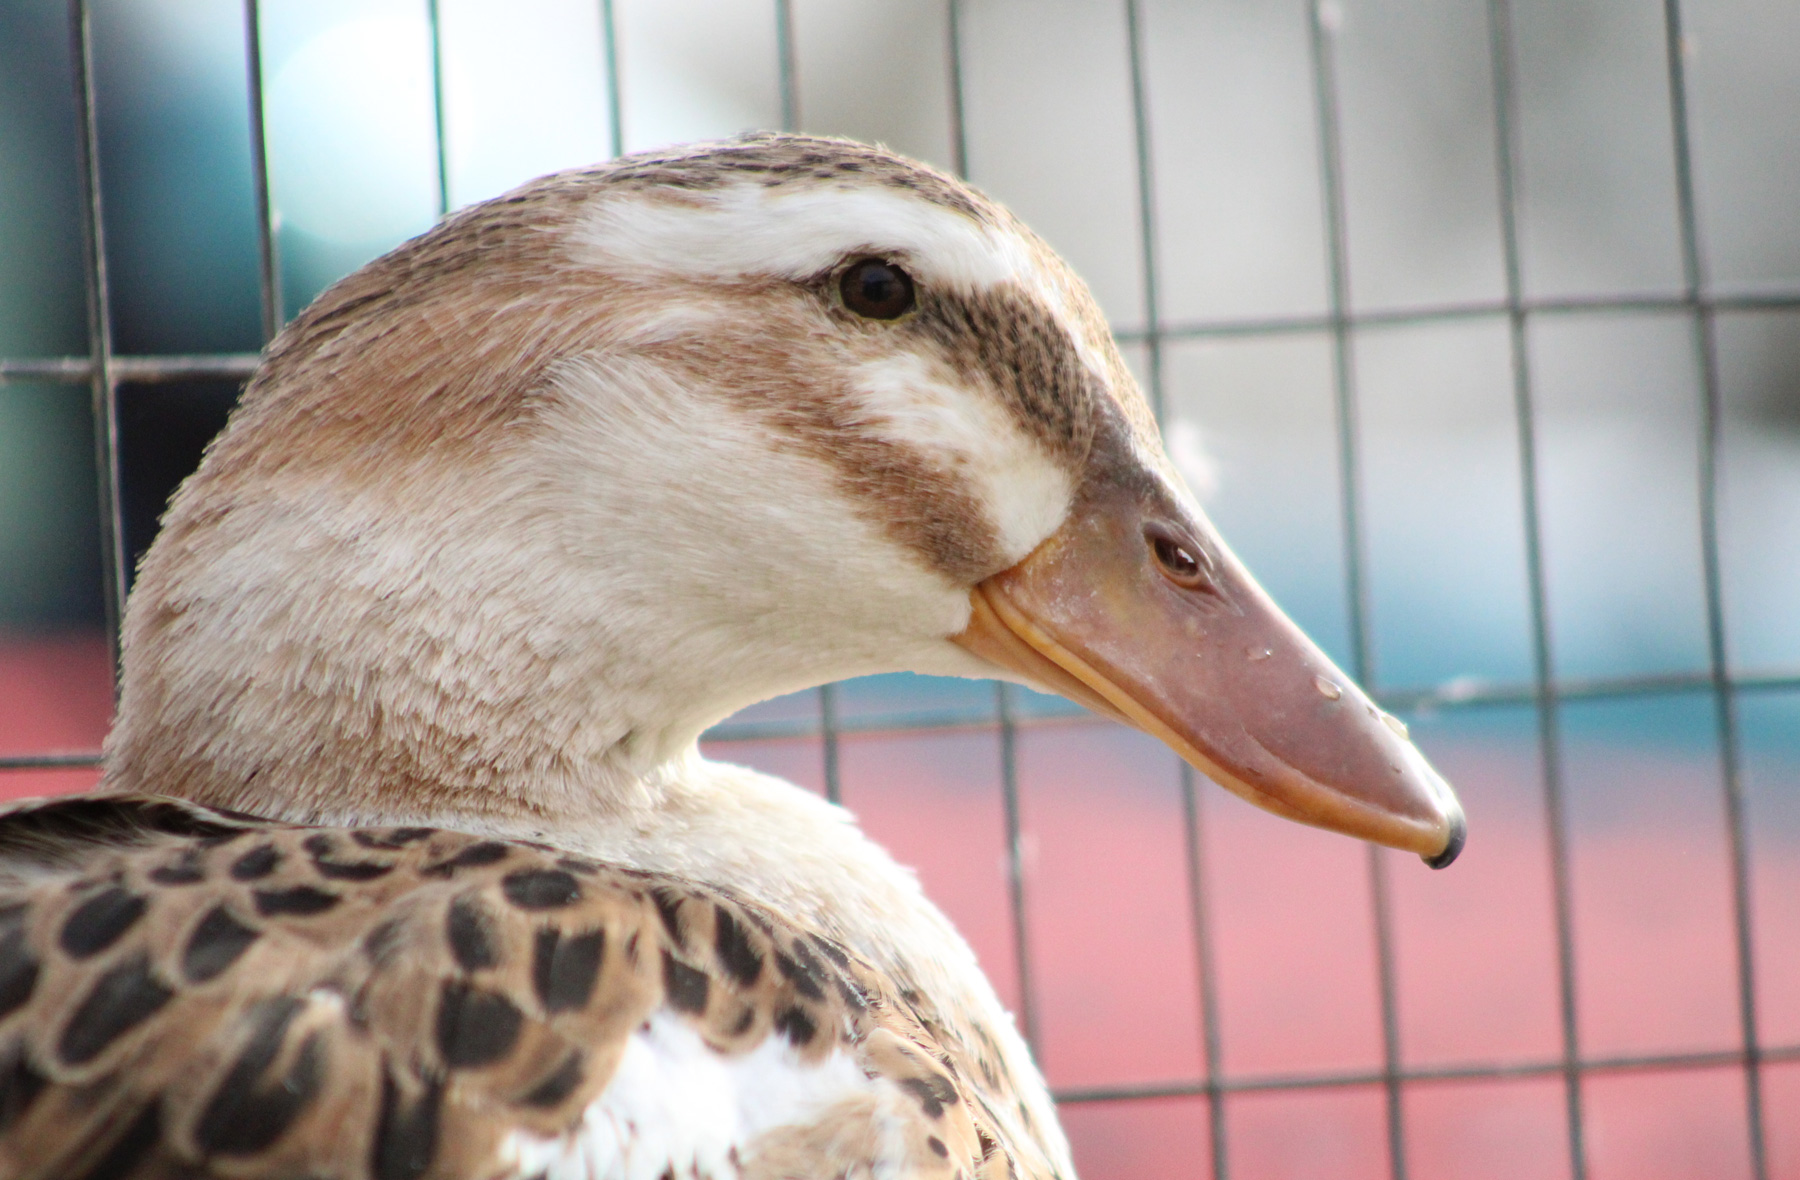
(103, 372)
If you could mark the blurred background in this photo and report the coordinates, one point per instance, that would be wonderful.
(1477, 326)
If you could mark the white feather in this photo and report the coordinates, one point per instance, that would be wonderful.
(1024, 492)
(796, 232)
(678, 1105)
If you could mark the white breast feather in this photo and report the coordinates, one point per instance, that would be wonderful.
(676, 1104)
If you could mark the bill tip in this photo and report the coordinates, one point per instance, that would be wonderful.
(1459, 834)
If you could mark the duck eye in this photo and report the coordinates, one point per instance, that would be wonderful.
(877, 289)
(1181, 561)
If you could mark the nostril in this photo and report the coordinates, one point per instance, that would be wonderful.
(1180, 559)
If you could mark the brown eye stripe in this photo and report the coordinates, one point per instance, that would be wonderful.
(1024, 355)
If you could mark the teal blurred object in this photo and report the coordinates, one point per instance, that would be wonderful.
(49, 534)
(182, 270)
(49, 527)
(172, 103)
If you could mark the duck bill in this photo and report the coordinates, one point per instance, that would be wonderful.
(1211, 667)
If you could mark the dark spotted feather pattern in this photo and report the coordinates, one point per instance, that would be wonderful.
(190, 993)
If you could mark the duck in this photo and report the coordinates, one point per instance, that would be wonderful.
(405, 863)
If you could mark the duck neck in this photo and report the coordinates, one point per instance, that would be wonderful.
(314, 657)
(328, 658)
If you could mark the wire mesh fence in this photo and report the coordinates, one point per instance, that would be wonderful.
(1343, 327)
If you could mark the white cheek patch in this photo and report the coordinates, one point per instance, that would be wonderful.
(675, 1105)
(1023, 492)
(795, 232)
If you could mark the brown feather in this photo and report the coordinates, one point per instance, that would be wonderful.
(257, 1000)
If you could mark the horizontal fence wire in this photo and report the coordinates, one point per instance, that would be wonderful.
(109, 376)
(76, 370)
(1774, 299)
(899, 723)
(1478, 1072)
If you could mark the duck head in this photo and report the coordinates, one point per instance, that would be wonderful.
(508, 517)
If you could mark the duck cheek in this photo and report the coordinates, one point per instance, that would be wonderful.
(1107, 613)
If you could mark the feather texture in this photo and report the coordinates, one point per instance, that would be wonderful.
(191, 993)
(407, 865)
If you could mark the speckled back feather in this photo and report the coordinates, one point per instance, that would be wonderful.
(191, 993)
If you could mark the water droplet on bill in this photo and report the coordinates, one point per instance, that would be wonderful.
(1327, 689)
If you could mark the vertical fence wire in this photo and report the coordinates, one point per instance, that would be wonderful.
(609, 52)
(1322, 22)
(434, 22)
(1703, 323)
(102, 382)
(1004, 712)
(830, 734)
(1192, 834)
(1206, 964)
(1015, 861)
(788, 84)
(1146, 187)
(959, 142)
(1343, 363)
(1500, 38)
(1393, 1092)
(786, 65)
(268, 262)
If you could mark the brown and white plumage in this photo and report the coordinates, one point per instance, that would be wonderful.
(293, 1001)
(504, 522)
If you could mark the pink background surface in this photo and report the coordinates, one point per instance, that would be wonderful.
(1115, 967)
